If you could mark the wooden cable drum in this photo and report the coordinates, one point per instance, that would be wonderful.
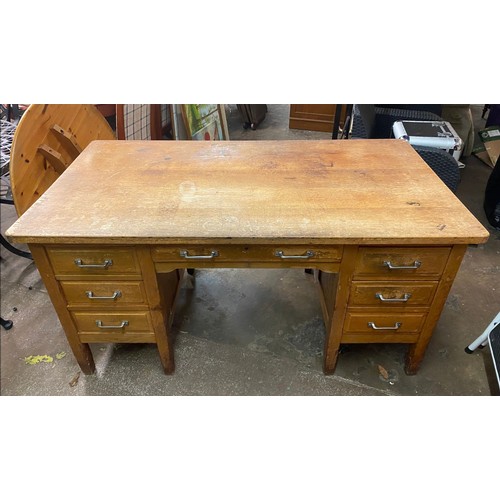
(47, 140)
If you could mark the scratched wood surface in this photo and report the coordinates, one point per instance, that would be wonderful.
(355, 191)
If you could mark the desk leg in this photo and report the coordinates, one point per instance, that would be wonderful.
(81, 351)
(335, 306)
(416, 351)
(160, 311)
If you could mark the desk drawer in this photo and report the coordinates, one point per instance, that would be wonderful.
(381, 324)
(115, 322)
(87, 261)
(249, 253)
(104, 293)
(393, 294)
(401, 263)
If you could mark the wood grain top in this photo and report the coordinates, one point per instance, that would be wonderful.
(355, 191)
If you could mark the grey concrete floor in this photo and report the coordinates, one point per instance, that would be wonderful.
(256, 332)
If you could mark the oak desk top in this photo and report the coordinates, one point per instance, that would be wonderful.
(355, 191)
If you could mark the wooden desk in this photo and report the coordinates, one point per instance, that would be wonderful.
(113, 234)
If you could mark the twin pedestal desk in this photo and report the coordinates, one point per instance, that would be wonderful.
(114, 234)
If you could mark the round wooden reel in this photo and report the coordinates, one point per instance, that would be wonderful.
(47, 140)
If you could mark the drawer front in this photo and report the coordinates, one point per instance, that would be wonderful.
(113, 322)
(401, 263)
(94, 261)
(99, 293)
(399, 294)
(250, 253)
(378, 323)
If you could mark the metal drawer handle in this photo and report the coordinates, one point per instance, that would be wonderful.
(415, 265)
(105, 265)
(375, 327)
(185, 254)
(115, 295)
(307, 255)
(99, 324)
(404, 298)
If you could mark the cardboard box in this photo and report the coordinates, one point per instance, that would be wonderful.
(489, 150)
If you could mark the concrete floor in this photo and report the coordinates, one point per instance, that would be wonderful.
(256, 332)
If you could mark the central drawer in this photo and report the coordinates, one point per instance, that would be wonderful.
(249, 253)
